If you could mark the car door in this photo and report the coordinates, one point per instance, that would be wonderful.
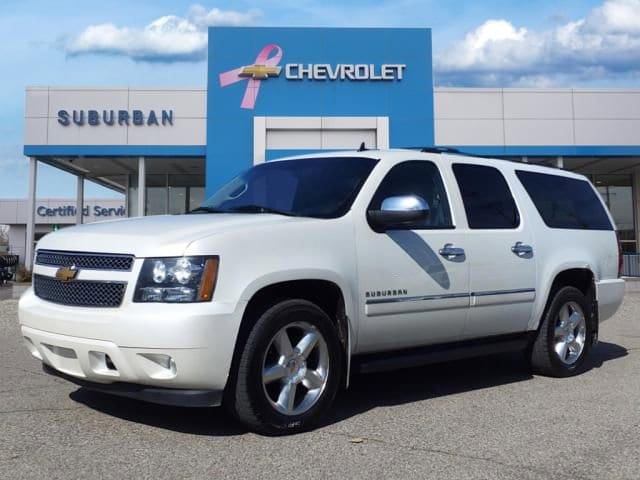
(500, 252)
(413, 281)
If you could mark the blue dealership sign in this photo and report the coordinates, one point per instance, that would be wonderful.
(312, 72)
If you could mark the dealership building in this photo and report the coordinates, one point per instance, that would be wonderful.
(275, 92)
(52, 214)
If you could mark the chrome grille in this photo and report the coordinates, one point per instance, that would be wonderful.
(85, 261)
(79, 293)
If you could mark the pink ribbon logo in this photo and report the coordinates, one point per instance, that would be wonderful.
(263, 68)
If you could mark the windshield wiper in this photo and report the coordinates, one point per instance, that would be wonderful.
(260, 209)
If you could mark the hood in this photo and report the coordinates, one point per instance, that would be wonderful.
(164, 235)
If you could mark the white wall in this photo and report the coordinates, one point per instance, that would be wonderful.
(14, 211)
(17, 237)
(317, 133)
(501, 116)
(463, 116)
(43, 103)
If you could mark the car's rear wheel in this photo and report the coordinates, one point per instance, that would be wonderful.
(564, 338)
(289, 370)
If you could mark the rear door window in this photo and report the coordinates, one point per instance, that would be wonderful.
(565, 202)
(487, 199)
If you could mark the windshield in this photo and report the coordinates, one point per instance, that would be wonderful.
(308, 187)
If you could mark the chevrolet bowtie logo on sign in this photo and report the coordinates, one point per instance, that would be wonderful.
(264, 66)
(66, 274)
(261, 72)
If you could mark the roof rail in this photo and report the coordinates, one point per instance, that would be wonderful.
(439, 150)
(435, 149)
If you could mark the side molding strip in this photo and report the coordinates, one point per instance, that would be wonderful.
(502, 292)
(377, 301)
(487, 293)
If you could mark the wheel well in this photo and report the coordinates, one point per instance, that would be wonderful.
(583, 280)
(323, 293)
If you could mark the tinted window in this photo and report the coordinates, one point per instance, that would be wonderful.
(486, 197)
(565, 202)
(311, 187)
(419, 178)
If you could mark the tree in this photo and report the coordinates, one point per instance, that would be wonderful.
(4, 235)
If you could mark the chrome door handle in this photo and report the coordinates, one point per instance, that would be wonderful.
(521, 249)
(449, 251)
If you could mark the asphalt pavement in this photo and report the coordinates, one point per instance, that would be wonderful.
(484, 418)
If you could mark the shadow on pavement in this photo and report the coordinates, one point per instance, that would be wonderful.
(605, 352)
(405, 386)
(196, 421)
(366, 392)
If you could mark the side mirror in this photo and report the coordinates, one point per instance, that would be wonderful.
(396, 213)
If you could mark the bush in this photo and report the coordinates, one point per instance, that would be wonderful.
(23, 274)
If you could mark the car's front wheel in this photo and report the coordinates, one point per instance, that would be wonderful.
(289, 370)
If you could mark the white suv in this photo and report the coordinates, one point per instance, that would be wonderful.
(304, 269)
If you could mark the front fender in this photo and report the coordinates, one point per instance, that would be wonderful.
(312, 274)
(263, 281)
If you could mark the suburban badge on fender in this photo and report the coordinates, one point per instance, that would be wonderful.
(66, 274)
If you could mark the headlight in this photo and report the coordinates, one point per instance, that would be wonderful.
(177, 280)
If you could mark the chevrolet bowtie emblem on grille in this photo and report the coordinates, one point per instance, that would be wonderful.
(66, 274)
(260, 72)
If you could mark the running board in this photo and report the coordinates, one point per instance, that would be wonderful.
(414, 357)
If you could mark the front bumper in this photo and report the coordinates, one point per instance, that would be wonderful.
(163, 396)
(104, 362)
(162, 346)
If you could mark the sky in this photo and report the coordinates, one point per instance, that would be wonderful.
(476, 43)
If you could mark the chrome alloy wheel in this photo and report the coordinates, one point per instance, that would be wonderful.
(294, 378)
(570, 333)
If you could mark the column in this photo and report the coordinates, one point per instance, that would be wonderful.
(635, 194)
(126, 194)
(79, 199)
(142, 182)
(559, 162)
(31, 213)
(259, 139)
(382, 133)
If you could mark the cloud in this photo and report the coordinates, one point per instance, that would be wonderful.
(603, 45)
(167, 39)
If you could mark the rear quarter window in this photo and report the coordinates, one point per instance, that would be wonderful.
(565, 202)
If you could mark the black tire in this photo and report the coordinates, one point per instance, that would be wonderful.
(250, 400)
(544, 358)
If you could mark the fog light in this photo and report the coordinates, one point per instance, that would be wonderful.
(102, 364)
(32, 348)
(164, 361)
(159, 365)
